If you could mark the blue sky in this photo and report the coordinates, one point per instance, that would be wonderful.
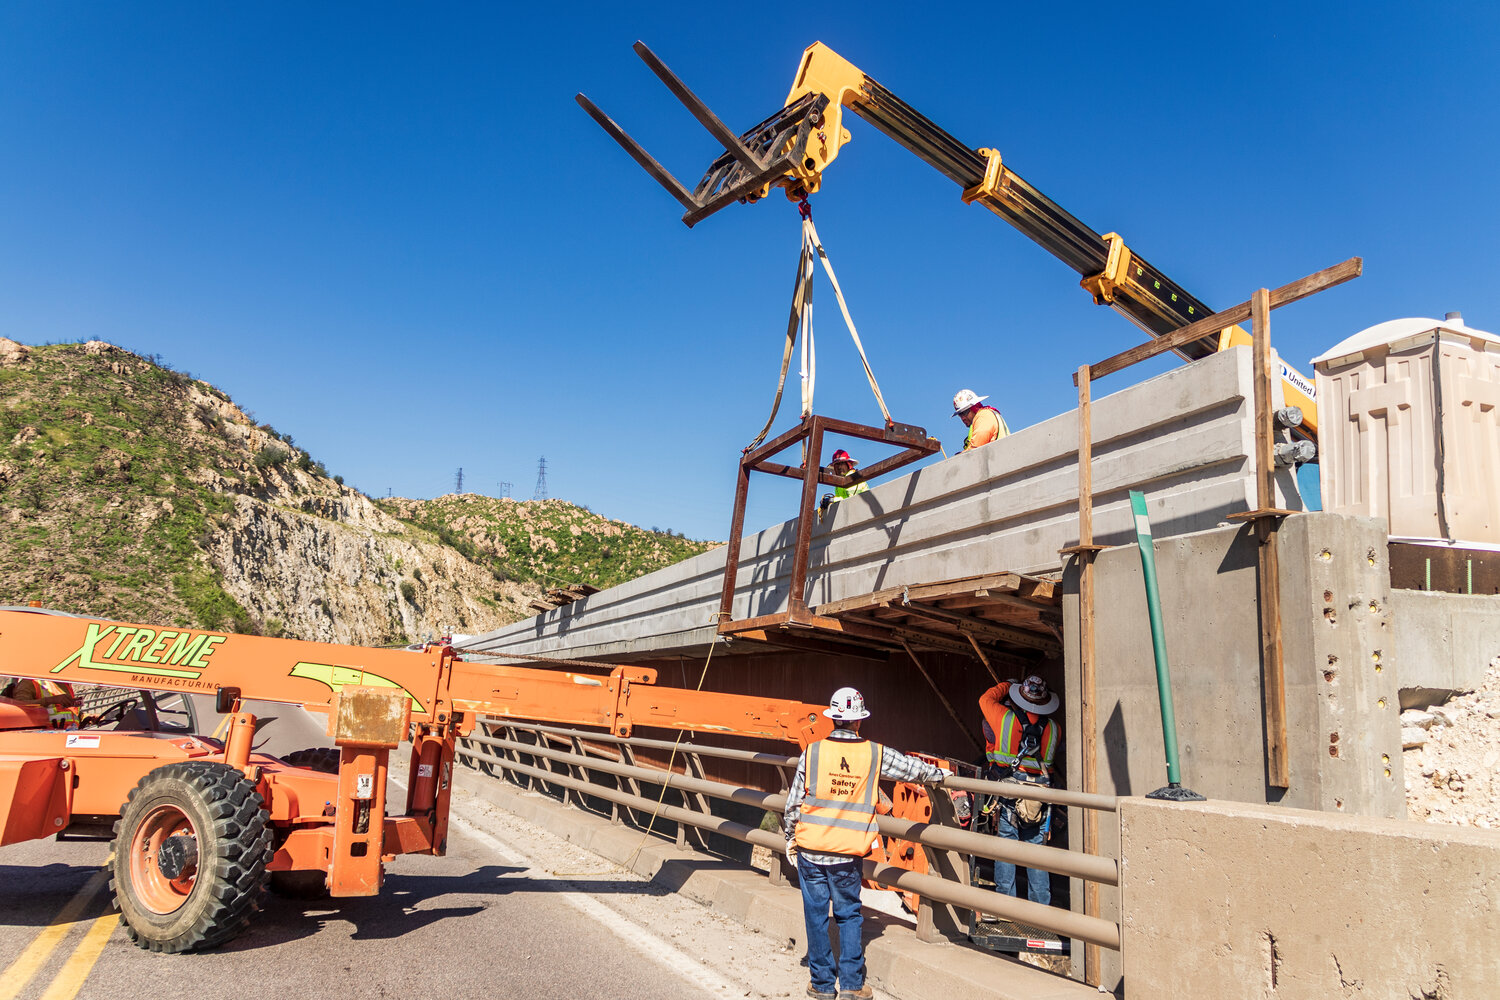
(388, 230)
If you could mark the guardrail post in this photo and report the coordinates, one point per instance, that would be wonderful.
(941, 921)
(780, 868)
(628, 756)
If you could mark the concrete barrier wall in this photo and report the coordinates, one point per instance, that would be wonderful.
(1236, 901)
(1185, 437)
(1343, 716)
(1443, 642)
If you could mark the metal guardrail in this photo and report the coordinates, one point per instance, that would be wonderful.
(538, 761)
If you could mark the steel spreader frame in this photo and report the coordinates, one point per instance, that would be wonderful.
(913, 441)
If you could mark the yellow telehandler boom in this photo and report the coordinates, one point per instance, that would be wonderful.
(793, 147)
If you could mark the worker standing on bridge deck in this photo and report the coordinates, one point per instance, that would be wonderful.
(830, 827)
(1020, 743)
(985, 423)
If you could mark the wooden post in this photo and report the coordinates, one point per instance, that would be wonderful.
(1273, 666)
(1088, 703)
(982, 658)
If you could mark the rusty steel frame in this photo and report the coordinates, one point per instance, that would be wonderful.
(913, 441)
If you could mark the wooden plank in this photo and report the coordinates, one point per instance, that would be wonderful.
(1273, 688)
(1265, 428)
(1443, 568)
(1211, 325)
(982, 658)
(1002, 582)
(999, 633)
(1088, 694)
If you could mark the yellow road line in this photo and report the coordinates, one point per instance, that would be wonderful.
(70, 979)
(18, 973)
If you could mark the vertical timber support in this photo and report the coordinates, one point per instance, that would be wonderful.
(1273, 664)
(1088, 695)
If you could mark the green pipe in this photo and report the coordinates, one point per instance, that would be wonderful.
(1158, 634)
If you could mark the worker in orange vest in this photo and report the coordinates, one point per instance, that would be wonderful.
(1020, 743)
(56, 697)
(830, 826)
(985, 423)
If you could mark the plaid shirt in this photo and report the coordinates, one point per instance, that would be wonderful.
(894, 765)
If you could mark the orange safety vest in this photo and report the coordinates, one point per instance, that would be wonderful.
(842, 784)
(1000, 429)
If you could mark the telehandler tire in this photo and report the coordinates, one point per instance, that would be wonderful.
(190, 853)
(307, 884)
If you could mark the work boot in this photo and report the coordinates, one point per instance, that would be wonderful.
(818, 994)
(863, 993)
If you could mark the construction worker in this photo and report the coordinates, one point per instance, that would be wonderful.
(843, 464)
(56, 697)
(985, 423)
(1020, 744)
(830, 827)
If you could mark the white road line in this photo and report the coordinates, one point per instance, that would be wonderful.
(648, 944)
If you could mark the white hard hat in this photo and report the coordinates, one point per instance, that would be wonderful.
(846, 705)
(964, 399)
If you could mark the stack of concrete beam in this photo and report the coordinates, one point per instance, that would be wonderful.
(1185, 438)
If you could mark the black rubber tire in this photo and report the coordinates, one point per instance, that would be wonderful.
(324, 759)
(229, 819)
(307, 884)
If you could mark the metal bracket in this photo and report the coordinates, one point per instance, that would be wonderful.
(1102, 286)
(989, 187)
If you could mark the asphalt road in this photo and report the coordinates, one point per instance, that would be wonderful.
(510, 912)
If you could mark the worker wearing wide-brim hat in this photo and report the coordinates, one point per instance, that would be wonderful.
(985, 423)
(1020, 744)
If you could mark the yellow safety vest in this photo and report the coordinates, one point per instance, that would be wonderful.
(838, 808)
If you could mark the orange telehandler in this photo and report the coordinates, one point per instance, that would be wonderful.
(201, 825)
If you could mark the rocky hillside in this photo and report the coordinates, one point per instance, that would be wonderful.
(131, 491)
(550, 542)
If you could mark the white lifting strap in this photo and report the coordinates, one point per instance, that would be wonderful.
(800, 322)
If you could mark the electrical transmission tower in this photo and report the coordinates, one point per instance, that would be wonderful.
(504, 491)
(458, 480)
(540, 493)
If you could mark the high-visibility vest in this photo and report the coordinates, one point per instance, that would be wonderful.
(838, 808)
(1000, 429)
(58, 716)
(843, 493)
(1014, 727)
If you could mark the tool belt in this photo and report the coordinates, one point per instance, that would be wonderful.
(1021, 812)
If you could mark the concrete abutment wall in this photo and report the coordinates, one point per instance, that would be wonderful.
(1235, 901)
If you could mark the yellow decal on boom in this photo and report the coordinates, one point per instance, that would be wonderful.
(339, 677)
(139, 650)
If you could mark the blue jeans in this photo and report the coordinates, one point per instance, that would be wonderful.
(838, 885)
(1038, 882)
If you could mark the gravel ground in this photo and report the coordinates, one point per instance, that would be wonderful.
(1452, 758)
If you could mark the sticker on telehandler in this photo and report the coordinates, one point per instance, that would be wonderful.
(76, 740)
(364, 786)
(424, 770)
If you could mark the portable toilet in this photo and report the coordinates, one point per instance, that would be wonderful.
(1409, 429)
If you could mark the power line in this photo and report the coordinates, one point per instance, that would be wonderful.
(540, 493)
